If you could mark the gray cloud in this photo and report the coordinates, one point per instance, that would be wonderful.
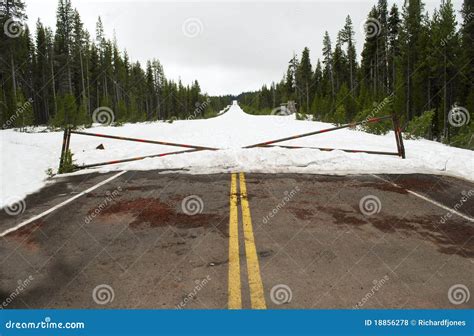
(241, 45)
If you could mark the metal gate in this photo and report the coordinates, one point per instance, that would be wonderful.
(192, 148)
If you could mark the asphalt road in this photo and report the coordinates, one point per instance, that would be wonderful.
(283, 241)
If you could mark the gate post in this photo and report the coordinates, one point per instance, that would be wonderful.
(398, 136)
(402, 146)
(65, 146)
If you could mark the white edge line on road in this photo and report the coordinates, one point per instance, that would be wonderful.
(428, 200)
(3, 234)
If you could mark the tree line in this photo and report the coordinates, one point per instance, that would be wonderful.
(62, 77)
(415, 65)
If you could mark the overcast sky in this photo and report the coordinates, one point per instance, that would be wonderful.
(229, 47)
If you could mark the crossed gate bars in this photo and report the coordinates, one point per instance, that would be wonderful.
(191, 148)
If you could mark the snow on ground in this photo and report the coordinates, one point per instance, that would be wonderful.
(25, 157)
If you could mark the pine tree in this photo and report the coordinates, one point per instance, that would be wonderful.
(290, 82)
(82, 116)
(78, 64)
(426, 61)
(340, 66)
(369, 62)
(393, 45)
(24, 113)
(466, 58)
(41, 73)
(328, 72)
(304, 75)
(443, 51)
(347, 37)
(12, 22)
(63, 40)
(66, 115)
(382, 47)
(410, 56)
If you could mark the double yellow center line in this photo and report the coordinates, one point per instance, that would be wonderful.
(257, 297)
(235, 290)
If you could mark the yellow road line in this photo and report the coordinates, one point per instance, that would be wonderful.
(235, 294)
(257, 297)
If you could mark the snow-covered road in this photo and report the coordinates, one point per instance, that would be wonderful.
(27, 156)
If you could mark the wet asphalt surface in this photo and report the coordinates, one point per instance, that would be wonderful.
(134, 236)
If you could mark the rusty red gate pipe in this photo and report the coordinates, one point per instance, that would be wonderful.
(144, 140)
(135, 159)
(331, 149)
(371, 120)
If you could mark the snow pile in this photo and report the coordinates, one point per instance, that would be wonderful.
(27, 156)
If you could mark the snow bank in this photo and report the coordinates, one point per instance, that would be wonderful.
(27, 156)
